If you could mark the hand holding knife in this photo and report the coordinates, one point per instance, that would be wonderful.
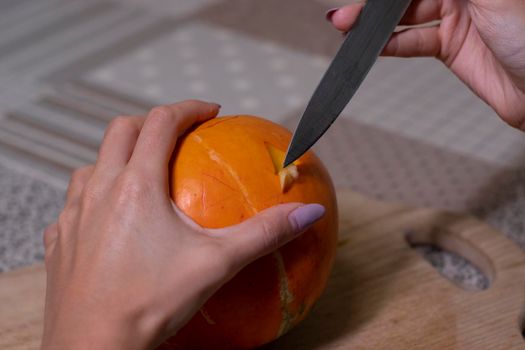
(353, 61)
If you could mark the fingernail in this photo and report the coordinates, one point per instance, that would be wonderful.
(330, 13)
(303, 217)
(216, 104)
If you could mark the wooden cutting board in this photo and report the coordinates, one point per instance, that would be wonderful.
(382, 294)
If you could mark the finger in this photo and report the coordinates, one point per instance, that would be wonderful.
(345, 17)
(416, 42)
(267, 231)
(77, 183)
(422, 11)
(419, 12)
(50, 236)
(118, 144)
(163, 125)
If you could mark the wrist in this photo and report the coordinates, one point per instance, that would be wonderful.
(102, 333)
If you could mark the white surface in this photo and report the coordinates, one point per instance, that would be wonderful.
(244, 75)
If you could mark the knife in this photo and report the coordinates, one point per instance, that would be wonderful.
(351, 64)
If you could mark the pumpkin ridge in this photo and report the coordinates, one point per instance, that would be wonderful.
(218, 121)
(285, 295)
(215, 157)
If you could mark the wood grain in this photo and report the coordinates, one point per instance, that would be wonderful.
(21, 308)
(381, 295)
(384, 295)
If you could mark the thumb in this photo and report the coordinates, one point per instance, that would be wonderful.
(268, 230)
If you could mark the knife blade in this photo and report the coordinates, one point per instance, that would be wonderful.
(348, 69)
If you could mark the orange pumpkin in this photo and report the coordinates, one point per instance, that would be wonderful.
(223, 173)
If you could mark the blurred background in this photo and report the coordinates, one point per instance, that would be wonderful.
(413, 133)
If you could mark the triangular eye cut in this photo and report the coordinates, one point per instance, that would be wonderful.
(288, 175)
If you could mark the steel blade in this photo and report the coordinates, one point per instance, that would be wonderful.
(353, 61)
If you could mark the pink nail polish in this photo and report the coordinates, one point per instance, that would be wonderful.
(303, 217)
(330, 14)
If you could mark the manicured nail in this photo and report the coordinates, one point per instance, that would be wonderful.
(330, 13)
(303, 217)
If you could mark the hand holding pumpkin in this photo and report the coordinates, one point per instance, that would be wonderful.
(126, 268)
(481, 41)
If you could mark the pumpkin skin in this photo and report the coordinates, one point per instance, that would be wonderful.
(222, 174)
